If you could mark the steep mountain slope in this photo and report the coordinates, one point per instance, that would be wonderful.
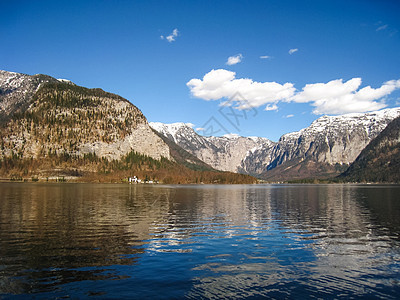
(380, 160)
(183, 157)
(63, 118)
(223, 153)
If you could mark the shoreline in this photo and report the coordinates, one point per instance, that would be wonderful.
(81, 180)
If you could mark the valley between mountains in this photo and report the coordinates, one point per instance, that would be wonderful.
(52, 128)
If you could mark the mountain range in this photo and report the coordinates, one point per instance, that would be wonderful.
(324, 149)
(50, 124)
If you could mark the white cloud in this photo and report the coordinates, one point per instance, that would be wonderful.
(265, 57)
(271, 107)
(333, 97)
(231, 135)
(171, 38)
(291, 51)
(338, 97)
(200, 129)
(233, 60)
(246, 93)
(382, 27)
(289, 116)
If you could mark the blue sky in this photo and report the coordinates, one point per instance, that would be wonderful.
(347, 57)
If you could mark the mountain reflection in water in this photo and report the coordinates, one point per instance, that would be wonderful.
(200, 241)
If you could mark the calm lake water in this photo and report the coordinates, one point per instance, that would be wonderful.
(200, 241)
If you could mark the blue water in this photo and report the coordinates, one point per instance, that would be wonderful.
(199, 241)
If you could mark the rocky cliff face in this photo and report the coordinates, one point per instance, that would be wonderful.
(232, 150)
(42, 116)
(318, 150)
(222, 153)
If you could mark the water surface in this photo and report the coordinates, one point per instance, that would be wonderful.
(200, 241)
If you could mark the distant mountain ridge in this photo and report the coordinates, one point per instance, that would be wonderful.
(323, 149)
(222, 153)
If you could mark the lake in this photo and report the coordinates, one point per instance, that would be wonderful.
(199, 241)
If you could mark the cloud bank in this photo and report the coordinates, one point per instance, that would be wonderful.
(334, 97)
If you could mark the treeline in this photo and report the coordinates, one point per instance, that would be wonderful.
(92, 168)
